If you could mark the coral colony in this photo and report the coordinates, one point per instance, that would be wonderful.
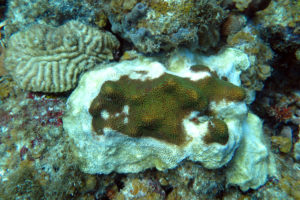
(48, 59)
(160, 99)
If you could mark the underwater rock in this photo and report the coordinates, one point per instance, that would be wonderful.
(50, 59)
(135, 188)
(256, 5)
(233, 24)
(249, 7)
(297, 151)
(24, 13)
(259, 53)
(152, 26)
(284, 13)
(297, 148)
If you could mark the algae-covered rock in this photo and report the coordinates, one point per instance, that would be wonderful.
(284, 143)
(153, 26)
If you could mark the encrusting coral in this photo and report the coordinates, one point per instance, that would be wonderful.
(158, 106)
(50, 59)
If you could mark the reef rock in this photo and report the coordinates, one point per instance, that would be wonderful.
(152, 26)
(50, 59)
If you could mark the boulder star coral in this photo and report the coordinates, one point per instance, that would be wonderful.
(134, 115)
(157, 106)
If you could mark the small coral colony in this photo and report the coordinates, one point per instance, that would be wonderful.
(160, 99)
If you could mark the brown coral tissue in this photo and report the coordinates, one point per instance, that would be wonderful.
(233, 24)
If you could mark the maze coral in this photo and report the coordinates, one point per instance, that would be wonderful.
(51, 59)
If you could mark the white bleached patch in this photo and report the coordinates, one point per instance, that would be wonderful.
(228, 63)
(225, 109)
(104, 114)
(126, 110)
(195, 130)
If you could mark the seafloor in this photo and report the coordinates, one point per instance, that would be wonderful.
(36, 160)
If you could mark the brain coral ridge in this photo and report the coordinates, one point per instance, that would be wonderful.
(50, 59)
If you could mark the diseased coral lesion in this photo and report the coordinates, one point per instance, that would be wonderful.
(157, 107)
